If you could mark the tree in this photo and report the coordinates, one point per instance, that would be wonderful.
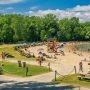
(51, 25)
(7, 34)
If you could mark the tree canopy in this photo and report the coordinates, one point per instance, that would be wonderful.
(15, 28)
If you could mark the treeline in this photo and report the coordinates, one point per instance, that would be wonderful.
(20, 28)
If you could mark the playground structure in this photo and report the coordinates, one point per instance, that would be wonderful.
(52, 46)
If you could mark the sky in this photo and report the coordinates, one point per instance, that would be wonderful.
(61, 8)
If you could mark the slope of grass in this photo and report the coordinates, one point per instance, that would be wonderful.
(13, 69)
(10, 49)
(73, 80)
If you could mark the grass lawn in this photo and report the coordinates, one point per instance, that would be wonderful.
(13, 69)
(9, 49)
(73, 80)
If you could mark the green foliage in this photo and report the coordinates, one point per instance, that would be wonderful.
(19, 28)
(1, 71)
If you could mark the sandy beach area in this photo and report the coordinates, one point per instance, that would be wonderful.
(64, 64)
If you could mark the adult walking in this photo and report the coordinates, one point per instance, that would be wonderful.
(80, 67)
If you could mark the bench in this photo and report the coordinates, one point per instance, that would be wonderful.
(84, 77)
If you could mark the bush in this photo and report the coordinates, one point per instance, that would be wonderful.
(1, 71)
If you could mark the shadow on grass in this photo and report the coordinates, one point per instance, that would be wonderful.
(31, 85)
(86, 79)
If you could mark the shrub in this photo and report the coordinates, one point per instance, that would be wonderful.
(1, 71)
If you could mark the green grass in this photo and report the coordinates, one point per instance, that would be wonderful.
(73, 80)
(10, 49)
(13, 69)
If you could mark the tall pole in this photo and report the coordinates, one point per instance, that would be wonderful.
(75, 69)
(49, 66)
(26, 71)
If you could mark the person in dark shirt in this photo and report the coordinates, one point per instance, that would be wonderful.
(81, 66)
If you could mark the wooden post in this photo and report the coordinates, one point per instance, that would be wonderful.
(49, 66)
(79, 87)
(24, 64)
(75, 69)
(55, 75)
(19, 64)
(26, 71)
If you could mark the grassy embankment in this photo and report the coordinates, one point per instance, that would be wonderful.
(10, 49)
(73, 80)
(13, 69)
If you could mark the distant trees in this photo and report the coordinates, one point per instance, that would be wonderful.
(15, 28)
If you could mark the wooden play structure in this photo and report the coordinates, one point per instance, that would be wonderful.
(52, 46)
